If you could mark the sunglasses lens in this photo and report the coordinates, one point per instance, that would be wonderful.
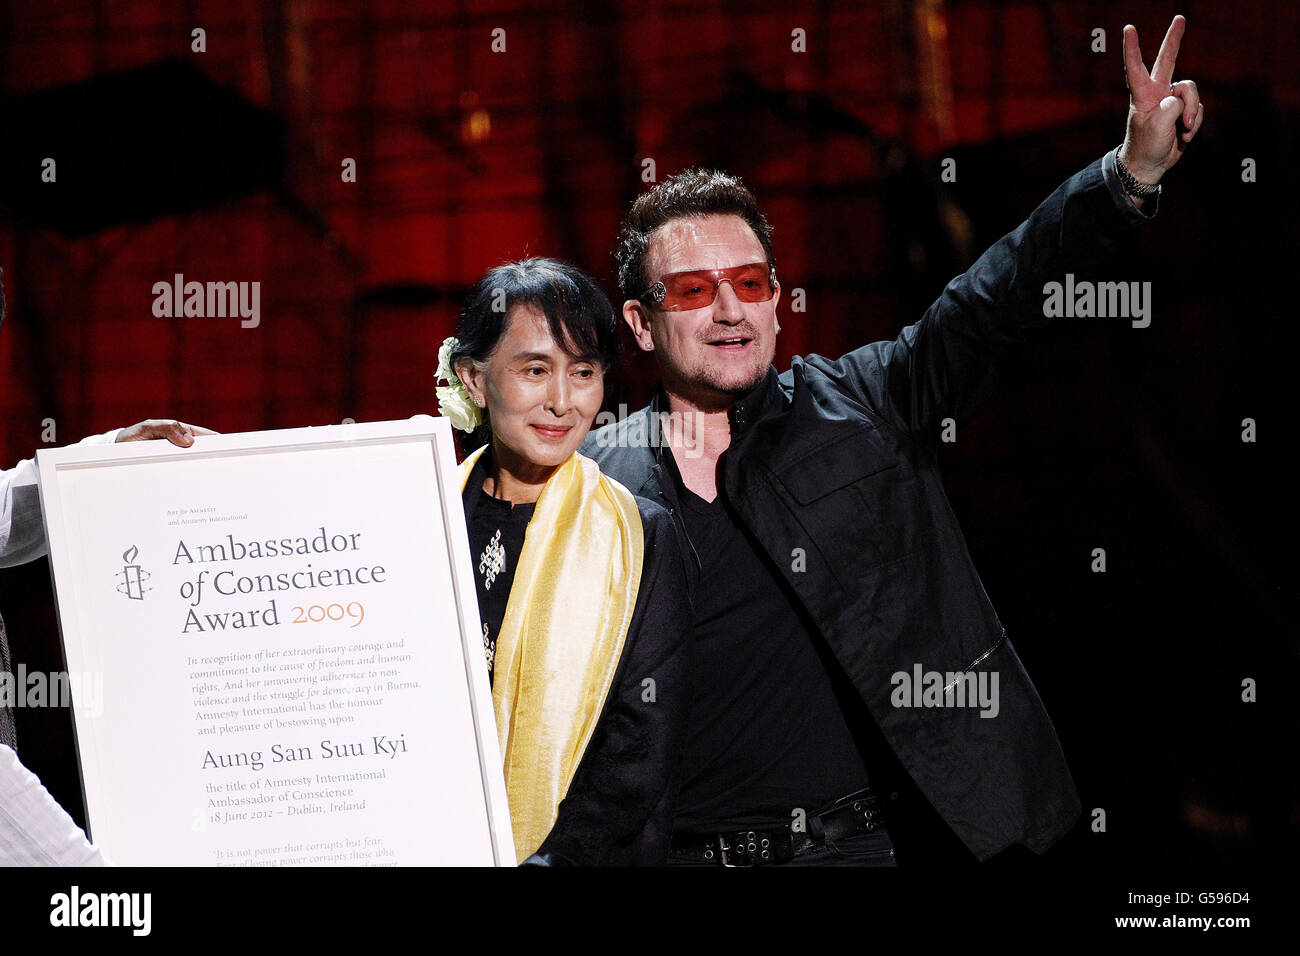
(695, 290)
(752, 282)
(689, 290)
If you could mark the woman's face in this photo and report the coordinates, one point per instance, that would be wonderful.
(540, 400)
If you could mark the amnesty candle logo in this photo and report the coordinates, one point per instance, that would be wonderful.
(133, 576)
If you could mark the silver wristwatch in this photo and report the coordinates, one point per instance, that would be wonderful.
(1132, 186)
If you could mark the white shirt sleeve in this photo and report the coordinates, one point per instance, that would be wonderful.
(34, 829)
(22, 529)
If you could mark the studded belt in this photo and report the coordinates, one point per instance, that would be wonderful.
(857, 813)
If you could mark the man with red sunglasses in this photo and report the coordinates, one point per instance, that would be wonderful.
(832, 576)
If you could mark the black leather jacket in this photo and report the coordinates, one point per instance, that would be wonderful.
(836, 459)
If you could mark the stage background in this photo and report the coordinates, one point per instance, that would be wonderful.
(226, 165)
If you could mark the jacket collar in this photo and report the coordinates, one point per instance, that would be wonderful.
(755, 405)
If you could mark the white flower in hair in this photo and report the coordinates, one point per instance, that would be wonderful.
(445, 371)
(453, 398)
(457, 406)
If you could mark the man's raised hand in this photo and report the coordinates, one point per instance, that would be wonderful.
(1163, 116)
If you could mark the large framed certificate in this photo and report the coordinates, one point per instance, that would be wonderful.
(274, 649)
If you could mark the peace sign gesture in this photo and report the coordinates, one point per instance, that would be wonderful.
(1163, 116)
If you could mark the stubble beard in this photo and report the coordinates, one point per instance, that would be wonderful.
(708, 390)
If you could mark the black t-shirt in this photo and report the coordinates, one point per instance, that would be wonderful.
(767, 734)
(496, 538)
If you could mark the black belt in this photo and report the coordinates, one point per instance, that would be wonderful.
(857, 813)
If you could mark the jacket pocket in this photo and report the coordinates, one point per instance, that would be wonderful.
(855, 501)
(835, 466)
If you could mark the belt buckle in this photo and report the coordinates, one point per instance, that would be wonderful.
(723, 848)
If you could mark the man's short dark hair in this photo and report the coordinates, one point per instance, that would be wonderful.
(692, 192)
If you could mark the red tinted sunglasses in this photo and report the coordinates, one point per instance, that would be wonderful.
(679, 291)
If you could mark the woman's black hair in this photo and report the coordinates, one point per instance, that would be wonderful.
(579, 314)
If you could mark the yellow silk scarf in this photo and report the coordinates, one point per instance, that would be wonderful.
(566, 620)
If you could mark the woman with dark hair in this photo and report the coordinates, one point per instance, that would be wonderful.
(581, 585)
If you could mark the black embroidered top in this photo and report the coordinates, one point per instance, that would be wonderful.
(496, 539)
